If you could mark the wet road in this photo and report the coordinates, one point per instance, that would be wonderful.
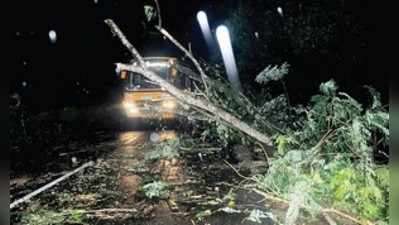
(131, 150)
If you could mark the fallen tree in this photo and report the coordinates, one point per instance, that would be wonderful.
(185, 97)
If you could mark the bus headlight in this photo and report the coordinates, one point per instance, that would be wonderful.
(130, 107)
(169, 104)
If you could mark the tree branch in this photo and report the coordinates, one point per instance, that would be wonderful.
(49, 185)
(159, 13)
(187, 53)
(115, 30)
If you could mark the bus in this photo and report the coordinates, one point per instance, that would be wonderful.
(143, 98)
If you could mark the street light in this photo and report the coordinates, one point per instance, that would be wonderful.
(223, 38)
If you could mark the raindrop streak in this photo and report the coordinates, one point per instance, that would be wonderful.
(204, 24)
(53, 36)
(280, 11)
(223, 37)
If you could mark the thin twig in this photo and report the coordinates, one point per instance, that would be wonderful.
(264, 152)
(159, 13)
(329, 220)
(238, 173)
(112, 210)
(324, 210)
(115, 30)
(188, 54)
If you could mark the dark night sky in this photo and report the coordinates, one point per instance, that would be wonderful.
(85, 50)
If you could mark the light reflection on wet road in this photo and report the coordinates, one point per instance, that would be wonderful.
(132, 147)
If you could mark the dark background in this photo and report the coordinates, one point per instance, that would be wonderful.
(78, 69)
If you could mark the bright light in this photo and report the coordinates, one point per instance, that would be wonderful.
(204, 24)
(130, 107)
(223, 37)
(280, 11)
(157, 64)
(53, 36)
(169, 104)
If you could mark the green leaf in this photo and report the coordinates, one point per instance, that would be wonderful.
(274, 73)
(329, 88)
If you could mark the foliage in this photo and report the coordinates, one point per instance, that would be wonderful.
(274, 73)
(203, 214)
(149, 12)
(257, 215)
(164, 150)
(46, 217)
(156, 189)
(269, 114)
(329, 161)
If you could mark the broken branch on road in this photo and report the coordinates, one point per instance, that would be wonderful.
(49, 185)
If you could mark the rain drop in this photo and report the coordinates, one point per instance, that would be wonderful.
(74, 160)
(53, 36)
(280, 11)
(154, 137)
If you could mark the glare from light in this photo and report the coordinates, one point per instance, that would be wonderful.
(169, 104)
(133, 111)
(130, 107)
(204, 24)
(157, 64)
(53, 36)
(223, 37)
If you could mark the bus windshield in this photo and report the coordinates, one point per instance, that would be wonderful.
(135, 81)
